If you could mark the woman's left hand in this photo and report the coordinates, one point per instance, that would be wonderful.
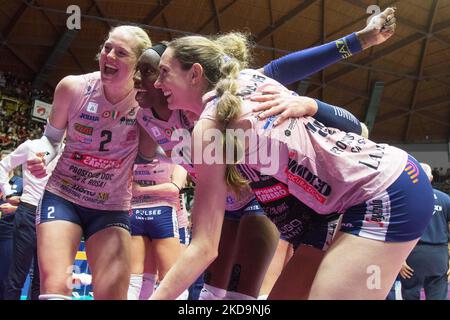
(283, 105)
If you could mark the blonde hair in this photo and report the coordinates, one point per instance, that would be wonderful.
(222, 59)
(364, 131)
(140, 37)
(426, 167)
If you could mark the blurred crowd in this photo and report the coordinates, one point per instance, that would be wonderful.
(16, 124)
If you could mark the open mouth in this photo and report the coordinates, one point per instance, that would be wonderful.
(109, 70)
(167, 95)
(140, 95)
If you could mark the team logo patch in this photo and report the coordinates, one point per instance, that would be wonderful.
(111, 114)
(86, 130)
(92, 107)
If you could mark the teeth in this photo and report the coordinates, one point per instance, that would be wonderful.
(166, 93)
(110, 66)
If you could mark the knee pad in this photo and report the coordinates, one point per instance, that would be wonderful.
(184, 295)
(232, 295)
(211, 293)
(135, 286)
(51, 296)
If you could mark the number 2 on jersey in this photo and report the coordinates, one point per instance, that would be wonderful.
(108, 135)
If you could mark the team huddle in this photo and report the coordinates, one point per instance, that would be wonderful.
(292, 200)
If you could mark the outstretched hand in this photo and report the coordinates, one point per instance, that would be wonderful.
(283, 105)
(379, 29)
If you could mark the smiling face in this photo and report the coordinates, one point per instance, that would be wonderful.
(179, 86)
(117, 59)
(147, 71)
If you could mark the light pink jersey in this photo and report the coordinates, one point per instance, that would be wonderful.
(162, 131)
(154, 172)
(328, 170)
(182, 213)
(95, 168)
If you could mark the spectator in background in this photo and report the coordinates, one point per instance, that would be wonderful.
(427, 265)
(6, 227)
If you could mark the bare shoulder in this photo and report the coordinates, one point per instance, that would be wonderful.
(70, 84)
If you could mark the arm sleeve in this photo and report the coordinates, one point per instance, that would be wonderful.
(336, 117)
(301, 64)
(14, 159)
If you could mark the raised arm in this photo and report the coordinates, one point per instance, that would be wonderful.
(301, 64)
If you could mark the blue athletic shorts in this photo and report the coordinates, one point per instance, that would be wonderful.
(184, 235)
(400, 213)
(155, 222)
(251, 208)
(54, 208)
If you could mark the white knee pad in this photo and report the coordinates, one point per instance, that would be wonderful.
(134, 289)
(51, 296)
(232, 295)
(211, 293)
(184, 295)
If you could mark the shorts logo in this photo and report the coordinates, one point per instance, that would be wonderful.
(92, 107)
(412, 171)
(378, 211)
(86, 130)
(96, 162)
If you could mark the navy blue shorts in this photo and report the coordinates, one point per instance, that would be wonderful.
(155, 222)
(251, 208)
(399, 214)
(184, 235)
(54, 208)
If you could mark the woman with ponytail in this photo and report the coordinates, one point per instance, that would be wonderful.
(374, 186)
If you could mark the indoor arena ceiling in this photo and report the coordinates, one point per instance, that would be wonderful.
(404, 84)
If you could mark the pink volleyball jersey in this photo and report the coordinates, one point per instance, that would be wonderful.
(162, 132)
(95, 169)
(156, 171)
(327, 169)
(182, 213)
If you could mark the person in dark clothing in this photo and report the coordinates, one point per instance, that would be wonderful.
(6, 229)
